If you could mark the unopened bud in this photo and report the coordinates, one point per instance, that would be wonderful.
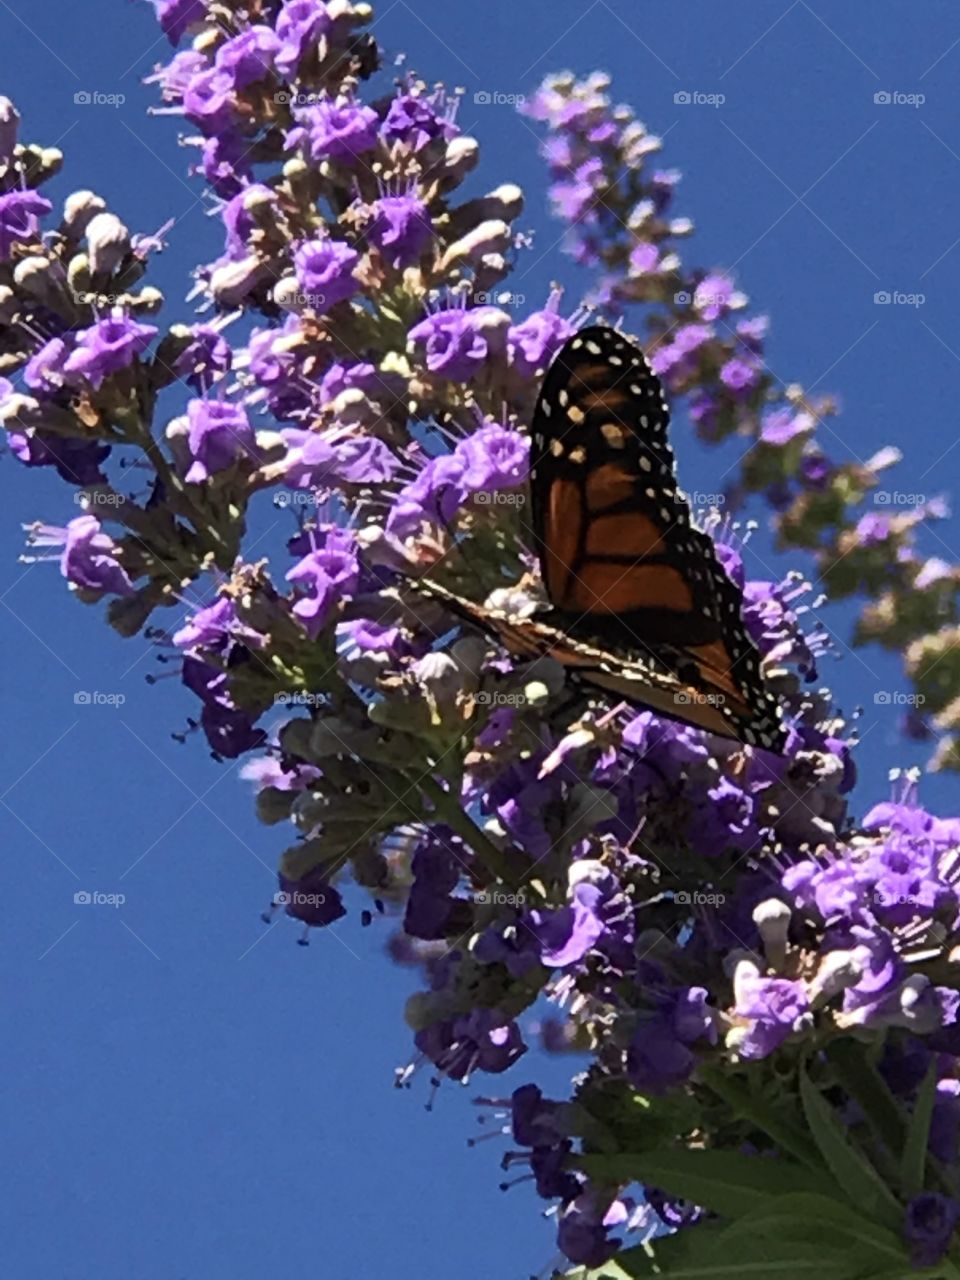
(462, 155)
(108, 240)
(492, 236)
(772, 919)
(231, 283)
(79, 209)
(9, 124)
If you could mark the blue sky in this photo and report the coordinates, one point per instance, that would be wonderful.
(188, 1096)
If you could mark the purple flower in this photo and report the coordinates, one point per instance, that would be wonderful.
(451, 346)
(226, 163)
(218, 433)
(483, 1040)
(583, 1226)
(401, 229)
(76, 461)
(784, 425)
(772, 1008)
(416, 120)
(325, 271)
(239, 217)
(871, 529)
(532, 344)
(206, 358)
(20, 212)
(176, 16)
(44, 371)
(311, 899)
(249, 56)
(208, 99)
(300, 26)
(90, 560)
(340, 130)
(315, 457)
(929, 1222)
(324, 577)
(739, 376)
(495, 458)
(714, 296)
(108, 346)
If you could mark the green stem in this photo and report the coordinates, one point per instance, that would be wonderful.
(449, 810)
(742, 1103)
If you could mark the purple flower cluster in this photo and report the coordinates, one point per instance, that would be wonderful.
(691, 908)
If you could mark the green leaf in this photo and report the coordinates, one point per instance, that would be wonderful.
(826, 1222)
(777, 1124)
(913, 1163)
(703, 1253)
(851, 1171)
(864, 1083)
(727, 1182)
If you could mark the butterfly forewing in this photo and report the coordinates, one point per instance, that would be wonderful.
(641, 606)
(612, 528)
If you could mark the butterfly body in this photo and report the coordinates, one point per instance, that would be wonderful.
(640, 605)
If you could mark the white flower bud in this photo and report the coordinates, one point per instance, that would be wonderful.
(78, 209)
(108, 240)
(9, 123)
(39, 278)
(772, 919)
(287, 294)
(462, 155)
(492, 236)
(232, 282)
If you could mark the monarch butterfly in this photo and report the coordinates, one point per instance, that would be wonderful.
(641, 606)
